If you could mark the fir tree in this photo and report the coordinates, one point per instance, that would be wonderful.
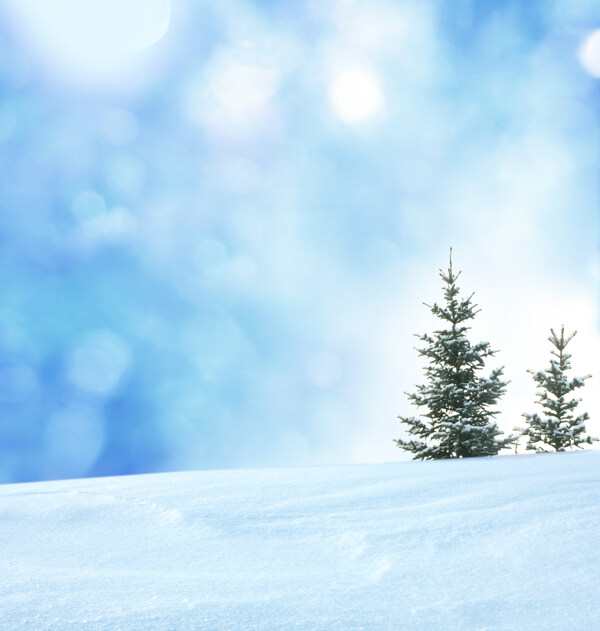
(459, 419)
(558, 428)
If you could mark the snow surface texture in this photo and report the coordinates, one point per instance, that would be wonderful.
(483, 544)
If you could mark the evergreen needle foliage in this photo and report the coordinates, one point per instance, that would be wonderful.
(459, 419)
(558, 429)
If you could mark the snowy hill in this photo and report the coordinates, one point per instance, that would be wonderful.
(484, 544)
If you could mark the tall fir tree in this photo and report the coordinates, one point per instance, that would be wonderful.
(459, 419)
(558, 429)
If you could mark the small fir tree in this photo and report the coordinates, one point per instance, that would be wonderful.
(459, 419)
(558, 429)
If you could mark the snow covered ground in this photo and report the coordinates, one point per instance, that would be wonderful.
(484, 544)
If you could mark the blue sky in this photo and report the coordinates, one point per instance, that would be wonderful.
(219, 220)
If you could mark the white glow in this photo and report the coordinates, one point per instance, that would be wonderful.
(589, 54)
(233, 97)
(240, 88)
(90, 35)
(355, 95)
(374, 25)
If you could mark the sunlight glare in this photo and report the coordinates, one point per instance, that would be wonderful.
(589, 54)
(90, 35)
(355, 95)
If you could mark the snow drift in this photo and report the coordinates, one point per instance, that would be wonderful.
(481, 544)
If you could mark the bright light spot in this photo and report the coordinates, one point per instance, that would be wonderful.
(242, 88)
(374, 25)
(589, 54)
(233, 97)
(92, 34)
(98, 364)
(355, 95)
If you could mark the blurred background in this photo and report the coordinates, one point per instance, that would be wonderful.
(219, 220)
